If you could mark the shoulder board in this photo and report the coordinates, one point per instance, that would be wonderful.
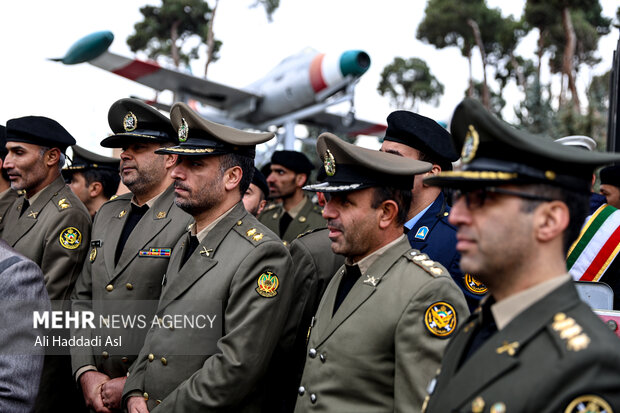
(62, 201)
(423, 261)
(251, 232)
(570, 332)
(126, 196)
(310, 231)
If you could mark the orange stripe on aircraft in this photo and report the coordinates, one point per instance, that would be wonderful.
(316, 76)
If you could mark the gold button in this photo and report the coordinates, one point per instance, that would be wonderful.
(129, 286)
(105, 354)
(302, 219)
(239, 223)
(151, 357)
(164, 361)
(124, 359)
(146, 396)
(109, 287)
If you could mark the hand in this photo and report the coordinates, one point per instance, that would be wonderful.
(112, 392)
(91, 382)
(136, 404)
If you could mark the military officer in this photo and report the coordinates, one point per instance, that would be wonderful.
(229, 261)
(49, 225)
(92, 177)
(132, 239)
(534, 346)
(7, 194)
(290, 171)
(255, 198)
(415, 136)
(610, 184)
(382, 324)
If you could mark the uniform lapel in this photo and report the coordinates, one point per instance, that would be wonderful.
(151, 224)
(297, 227)
(113, 231)
(363, 288)
(13, 233)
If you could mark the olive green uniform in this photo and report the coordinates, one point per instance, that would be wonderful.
(383, 345)
(551, 355)
(6, 200)
(137, 275)
(309, 217)
(228, 267)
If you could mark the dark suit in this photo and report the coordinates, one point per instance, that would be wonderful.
(181, 370)
(435, 236)
(136, 276)
(560, 351)
(22, 290)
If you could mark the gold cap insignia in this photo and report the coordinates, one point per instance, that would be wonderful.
(268, 284)
(130, 122)
(440, 319)
(470, 146)
(329, 162)
(588, 403)
(183, 130)
(474, 286)
(70, 238)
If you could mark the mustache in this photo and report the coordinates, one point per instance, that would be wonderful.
(337, 225)
(180, 185)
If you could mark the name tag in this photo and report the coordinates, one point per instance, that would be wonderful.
(155, 252)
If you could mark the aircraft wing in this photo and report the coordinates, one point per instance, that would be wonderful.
(151, 74)
(336, 124)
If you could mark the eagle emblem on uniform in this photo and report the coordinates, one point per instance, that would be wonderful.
(268, 284)
(440, 319)
(70, 238)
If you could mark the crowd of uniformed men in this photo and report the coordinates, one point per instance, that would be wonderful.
(359, 302)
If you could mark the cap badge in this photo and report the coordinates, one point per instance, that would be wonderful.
(440, 319)
(470, 146)
(329, 163)
(130, 122)
(183, 130)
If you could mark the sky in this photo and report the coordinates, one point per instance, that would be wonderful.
(79, 96)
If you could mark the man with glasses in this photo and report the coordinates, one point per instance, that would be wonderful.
(534, 346)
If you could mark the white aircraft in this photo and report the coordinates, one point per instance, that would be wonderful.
(298, 90)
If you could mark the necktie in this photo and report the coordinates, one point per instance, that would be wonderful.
(284, 223)
(25, 206)
(132, 220)
(191, 247)
(351, 274)
(486, 329)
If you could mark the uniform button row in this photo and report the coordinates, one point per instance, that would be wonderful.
(110, 287)
(163, 360)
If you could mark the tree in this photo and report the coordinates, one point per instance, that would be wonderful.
(406, 82)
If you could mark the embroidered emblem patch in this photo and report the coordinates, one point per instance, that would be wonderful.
(155, 252)
(589, 404)
(130, 122)
(474, 286)
(268, 284)
(440, 319)
(70, 238)
(93, 254)
(422, 233)
(183, 130)
(470, 146)
(329, 162)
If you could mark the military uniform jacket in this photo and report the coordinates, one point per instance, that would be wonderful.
(5, 203)
(377, 353)
(231, 267)
(556, 356)
(310, 217)
(436, 237)
(54, 233)
(137, 276)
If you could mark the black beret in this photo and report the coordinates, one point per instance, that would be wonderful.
(496, 153)
(611, 175)
(293, 160)
(421, 133)
(132, 119)
(38, 130)
(3, 150)
(259, 180)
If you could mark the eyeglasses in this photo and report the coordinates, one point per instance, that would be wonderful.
(475, 198)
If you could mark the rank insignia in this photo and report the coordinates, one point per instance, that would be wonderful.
(268, 284)
(421, 233)
(70, 238)
(329, 162)
(498, 408)
(571, 332)
(155, 252)
(63, 204)
(440, 319)
(130, 122)
(122, 213)
(93, 255)
(251, 232)
(161, 214)
(258, 237)
(183, 130)
(589, 404)
(474, 286)
(470, 146)
(371, 280)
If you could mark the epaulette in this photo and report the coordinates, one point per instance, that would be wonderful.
(120, 197)
(424, 262)
(310, 231)
(270, 207)
(250, 233)
(570, 332)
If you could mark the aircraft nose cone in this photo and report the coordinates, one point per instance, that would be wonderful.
(354, 62)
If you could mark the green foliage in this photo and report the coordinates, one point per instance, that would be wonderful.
(406, 82)
(270, 7)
